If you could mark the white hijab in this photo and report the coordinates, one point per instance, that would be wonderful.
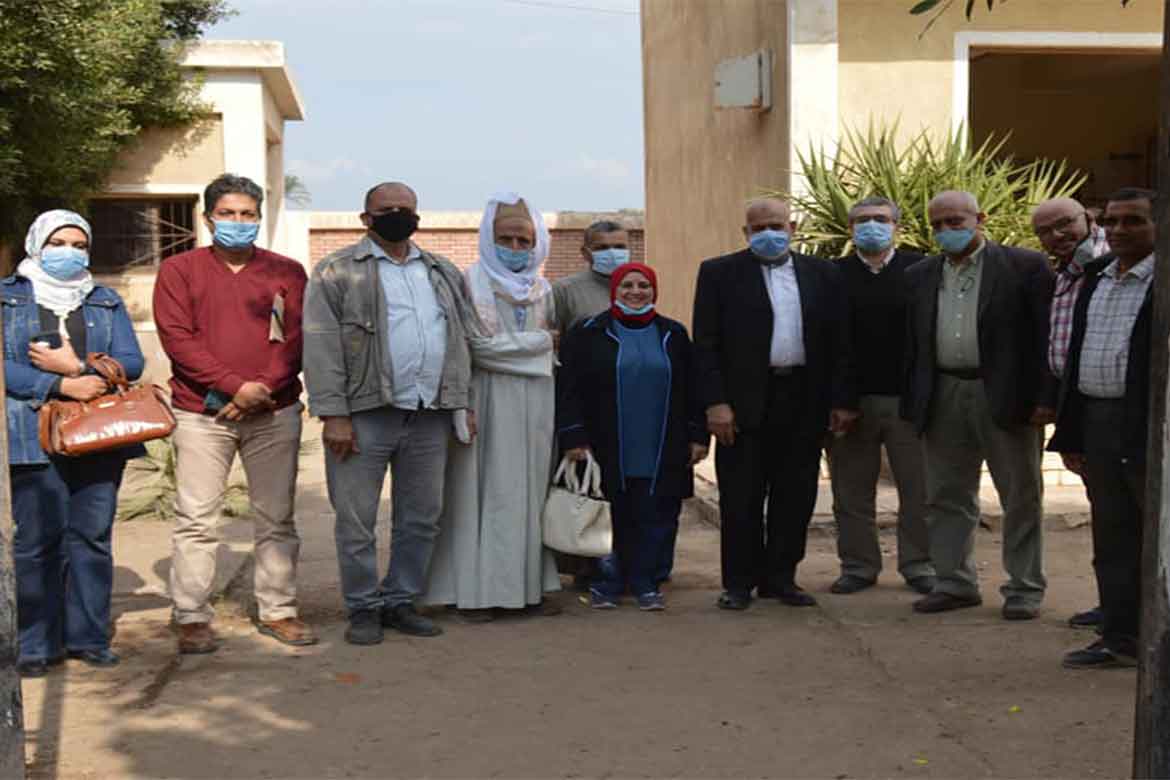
(60, 296)
(518, 287)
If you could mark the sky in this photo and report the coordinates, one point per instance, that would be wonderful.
(460, 98)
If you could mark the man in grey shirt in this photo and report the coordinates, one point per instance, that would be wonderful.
(977, 347)
(387, 363)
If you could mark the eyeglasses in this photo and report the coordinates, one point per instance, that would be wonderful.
(1059, 226)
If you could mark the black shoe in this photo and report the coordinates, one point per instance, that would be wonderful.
(1098, 656)
(100, 658)
(1090, 618)
(365, 628)
(795, 596)
(734, 599)
(923, 584)
(31, 669)
(404, 618)
(850, 583)
(1014, 609)
(943, 602)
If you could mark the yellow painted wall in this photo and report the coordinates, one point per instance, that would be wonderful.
(187, 155)
(887, 70)
(702, 164)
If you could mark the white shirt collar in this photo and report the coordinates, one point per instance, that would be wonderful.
(377, 251)
(886, 258)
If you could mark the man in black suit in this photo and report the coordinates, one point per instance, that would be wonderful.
(875, 282)
(1103, 417)
(772, 348)
(976, 365)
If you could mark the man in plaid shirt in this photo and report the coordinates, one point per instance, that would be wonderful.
(1103, 418)
(1074, 242)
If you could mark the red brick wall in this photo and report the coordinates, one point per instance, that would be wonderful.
(461, 246)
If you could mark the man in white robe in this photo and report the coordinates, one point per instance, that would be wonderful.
(489, 554)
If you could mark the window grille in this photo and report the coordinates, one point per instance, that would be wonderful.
(140, 233)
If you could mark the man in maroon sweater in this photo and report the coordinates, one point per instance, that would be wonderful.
(229, 318)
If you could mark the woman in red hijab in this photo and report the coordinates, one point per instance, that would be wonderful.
(627, 392)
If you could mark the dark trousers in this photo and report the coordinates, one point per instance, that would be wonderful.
(644, 530)
(777, 463)
(64, 514)
(1116, 496)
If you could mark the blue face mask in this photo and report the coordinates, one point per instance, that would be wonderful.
(649, 307)
(64, 262)
(769, 244)
(953, 242)
(873, 237)
(606, 261)
(235, 235)
(515, 260)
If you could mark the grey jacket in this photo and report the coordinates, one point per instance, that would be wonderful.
(347, 361)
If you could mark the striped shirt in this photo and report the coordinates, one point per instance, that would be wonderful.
(1069, 280)
(1112, 312)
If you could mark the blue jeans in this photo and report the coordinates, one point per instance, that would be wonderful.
(413, 445)
(644, 530)
(64, 514)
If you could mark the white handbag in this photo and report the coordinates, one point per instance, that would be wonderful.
(576, 517)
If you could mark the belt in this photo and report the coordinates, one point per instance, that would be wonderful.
(962, 373)
(785, 370)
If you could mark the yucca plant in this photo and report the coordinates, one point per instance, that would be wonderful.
(910, 173)
(152, 484)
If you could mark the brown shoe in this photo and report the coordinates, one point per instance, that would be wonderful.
(290, 631)
(197, 638)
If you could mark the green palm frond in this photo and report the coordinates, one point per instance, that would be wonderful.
(910, 172)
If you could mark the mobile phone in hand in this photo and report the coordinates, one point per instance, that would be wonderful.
(215, 401)
(50, 337)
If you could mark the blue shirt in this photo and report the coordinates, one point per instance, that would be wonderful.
(416, 328)
(643, 392)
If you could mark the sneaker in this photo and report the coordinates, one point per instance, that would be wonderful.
(404, 618)
(651, 602)
(598, 600)
(1098, 656)
(365, 628)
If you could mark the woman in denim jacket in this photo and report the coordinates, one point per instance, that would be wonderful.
(63, 508)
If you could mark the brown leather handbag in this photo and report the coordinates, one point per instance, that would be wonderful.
(129, 415)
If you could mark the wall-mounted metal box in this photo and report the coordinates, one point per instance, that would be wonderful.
(745, 82)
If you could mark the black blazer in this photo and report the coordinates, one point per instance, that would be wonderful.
(1015, 291)
(733, 336)
(587, 403)
(1070, 417)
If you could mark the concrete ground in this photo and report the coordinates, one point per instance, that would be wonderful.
(856, 687)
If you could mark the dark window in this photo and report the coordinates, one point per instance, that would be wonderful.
(140, 233)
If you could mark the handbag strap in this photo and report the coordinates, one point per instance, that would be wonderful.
(107, 368)
(592, 482)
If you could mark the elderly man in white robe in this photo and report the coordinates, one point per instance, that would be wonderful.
(489, 555)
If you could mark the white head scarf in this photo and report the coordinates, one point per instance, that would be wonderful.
(58, 296)
(519, 287)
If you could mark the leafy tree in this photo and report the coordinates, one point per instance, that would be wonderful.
(940, 7)
(78, 80)
(296, 191)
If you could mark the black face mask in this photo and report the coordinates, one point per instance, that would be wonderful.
(395, 225)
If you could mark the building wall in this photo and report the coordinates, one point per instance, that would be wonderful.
(703, 164)
(907, 75)
(459, 243)
(170, 155)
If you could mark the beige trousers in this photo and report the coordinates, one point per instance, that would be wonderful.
(268, 445)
